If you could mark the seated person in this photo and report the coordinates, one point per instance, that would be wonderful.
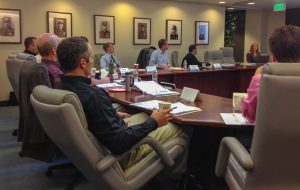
(160, 57)
(47, 44)
(284, 44)
(191, 58)
(108, 126)
(109, 57)
(30, 46)
(254, 51)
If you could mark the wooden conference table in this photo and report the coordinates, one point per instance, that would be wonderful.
(208, 125)
(216, 82)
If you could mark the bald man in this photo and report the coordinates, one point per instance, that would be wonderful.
(47, 44)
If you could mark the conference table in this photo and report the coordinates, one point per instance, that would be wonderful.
(215, 82)
(209, 129)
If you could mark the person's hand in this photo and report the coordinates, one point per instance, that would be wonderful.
(123, 115)
(162, 116)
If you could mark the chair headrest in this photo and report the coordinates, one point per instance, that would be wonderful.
(57, 97)
(227, 51)
(25, 56)
(282, 69)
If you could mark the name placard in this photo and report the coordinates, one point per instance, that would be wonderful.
(217, 66)
(190, 94)
(194, 68)
(123, 71)
(151, 69)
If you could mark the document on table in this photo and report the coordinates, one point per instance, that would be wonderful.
(109, 85)
(234, 119)
(180, 109)
(154, 89)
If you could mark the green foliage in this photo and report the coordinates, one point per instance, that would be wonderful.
(230, 29)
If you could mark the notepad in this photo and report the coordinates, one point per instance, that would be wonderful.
(235, 119)
(181, 109)
(109, 85)
(154, 89)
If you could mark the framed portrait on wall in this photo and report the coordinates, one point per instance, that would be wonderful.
(174, 32)
(104, 29)
(202, 32)
(141, 31)
(10, 26)
(59, 23)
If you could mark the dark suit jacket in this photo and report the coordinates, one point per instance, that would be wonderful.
(191, 59)
(251, 57)
(36, 143)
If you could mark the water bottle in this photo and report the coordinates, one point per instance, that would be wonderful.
(185, 64)
(154, 76)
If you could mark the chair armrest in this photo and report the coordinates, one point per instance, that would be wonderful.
(230, 145)
(109, 160)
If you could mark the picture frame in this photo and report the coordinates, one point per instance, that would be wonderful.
(141, 31)
(104, 29)
(174, 31)
(10, 26)
(60, 23)
(202, 32)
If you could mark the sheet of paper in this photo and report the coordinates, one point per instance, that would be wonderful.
(152, 88)
(234, 119)
(104, 73)
(180, 107)
(109, 85)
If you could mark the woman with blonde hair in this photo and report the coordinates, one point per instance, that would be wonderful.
(253, 52)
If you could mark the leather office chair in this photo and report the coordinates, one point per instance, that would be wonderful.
(215, 56)
(274, 159)
(97, 58)
(14, 64)
(174, 59)
(63, 119)
(228, 55)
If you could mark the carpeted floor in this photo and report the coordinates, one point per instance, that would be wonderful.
(18, 173)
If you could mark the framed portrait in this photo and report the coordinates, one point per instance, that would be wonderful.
(202, 32)
(141, 31)
(10, 26)
(174, 32)
(60, 23)
(104, 29)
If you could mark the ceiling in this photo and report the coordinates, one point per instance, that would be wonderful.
(259, 4)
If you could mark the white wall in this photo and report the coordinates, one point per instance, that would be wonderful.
(259, 26)
(34, 23)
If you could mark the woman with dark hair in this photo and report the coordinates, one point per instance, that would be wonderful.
(254, 51)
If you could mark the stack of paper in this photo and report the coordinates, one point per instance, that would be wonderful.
(154, 89)
(109, 85)
(180, 109)
(234, 119)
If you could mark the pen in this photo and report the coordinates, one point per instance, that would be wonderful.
(173, 108)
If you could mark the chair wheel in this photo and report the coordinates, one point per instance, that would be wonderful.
(69, 187)
(15, 133)
(48, 173)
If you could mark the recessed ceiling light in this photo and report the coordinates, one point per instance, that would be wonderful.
(251, 3)
(222, 2)
(230, 8)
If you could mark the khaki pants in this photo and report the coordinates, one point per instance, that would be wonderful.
(162, 135)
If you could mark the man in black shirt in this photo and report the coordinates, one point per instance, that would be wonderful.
(191, 58)
(30, 46)
(76, 58)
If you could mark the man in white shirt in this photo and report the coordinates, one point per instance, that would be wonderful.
(109, 57)
(160, 57)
